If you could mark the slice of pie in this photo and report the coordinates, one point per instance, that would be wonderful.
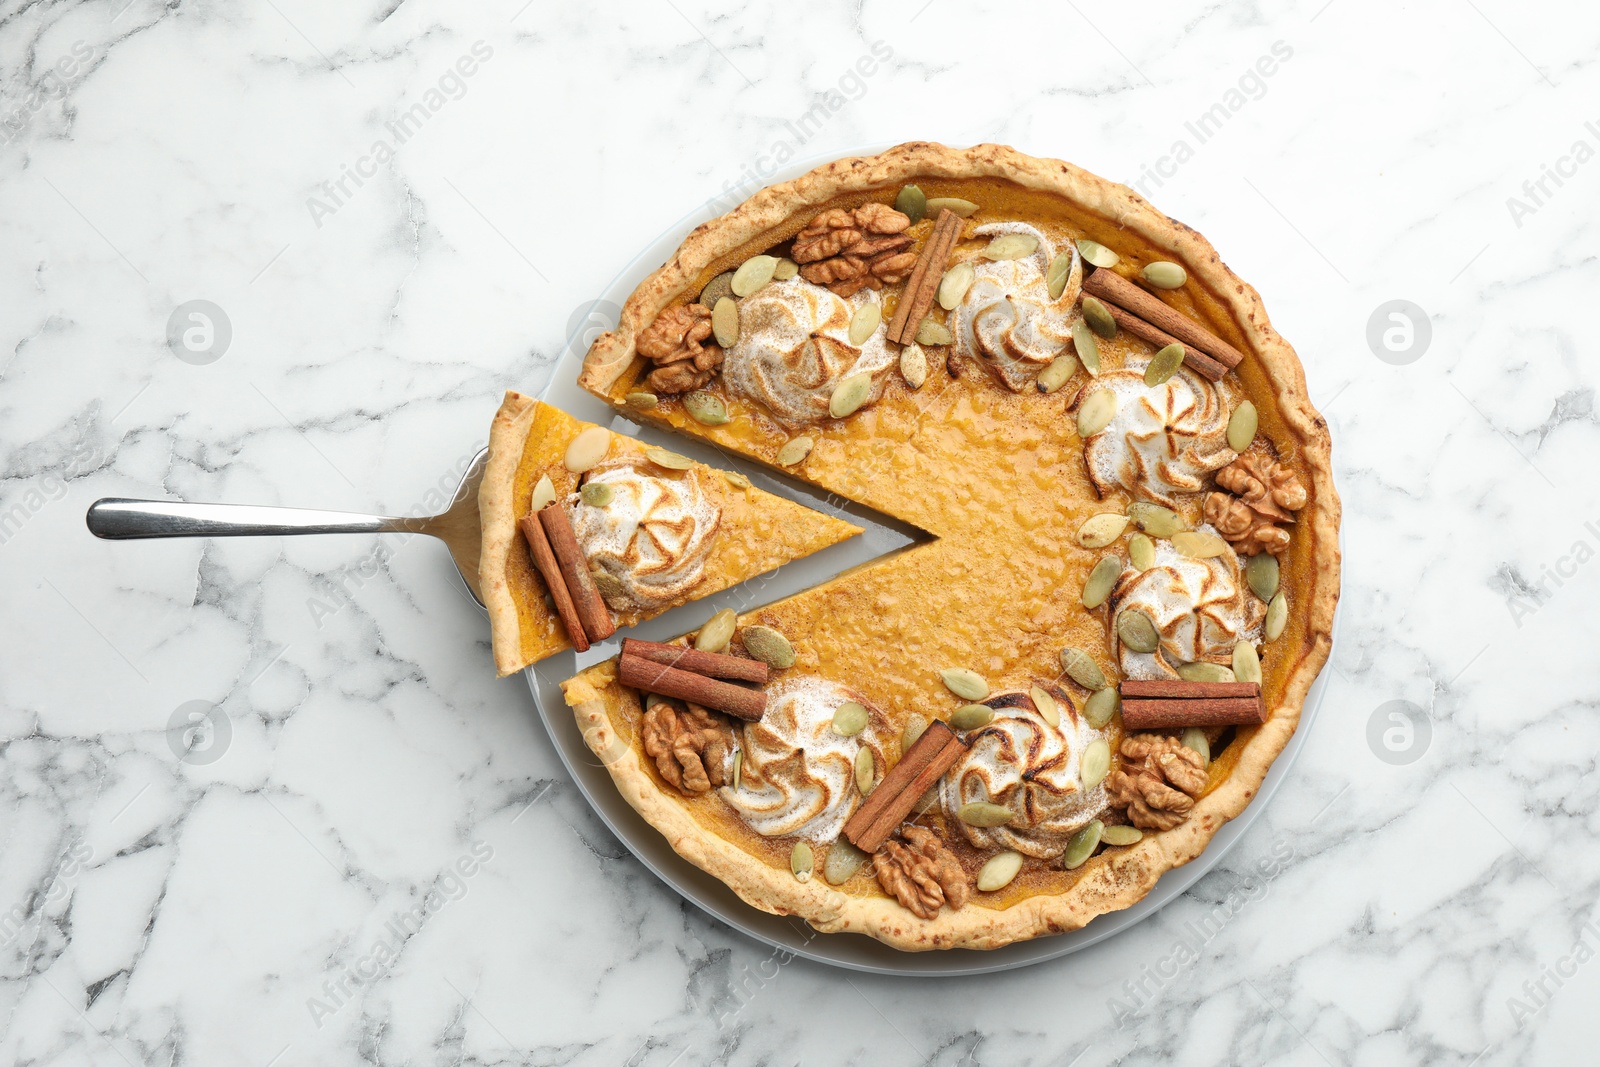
(655, 529)
(1023, 723)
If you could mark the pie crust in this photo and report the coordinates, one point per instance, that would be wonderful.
(1116, 878)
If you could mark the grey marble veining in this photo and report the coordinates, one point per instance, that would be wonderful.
(372, 854)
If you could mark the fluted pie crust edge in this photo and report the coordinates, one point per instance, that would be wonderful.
(1130, 874)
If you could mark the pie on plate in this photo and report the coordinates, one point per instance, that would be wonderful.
(1130, 580)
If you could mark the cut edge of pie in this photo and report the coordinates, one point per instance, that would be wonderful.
(1129, 875)
(523, 629)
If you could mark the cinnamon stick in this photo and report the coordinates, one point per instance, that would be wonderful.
(1178, 689)
(710, 664)
(1201, 711)
(1202, 364)
(591, 607)
(887, 806)
(1109, 285)
(735, 700)
(917, 297)
(544, 561)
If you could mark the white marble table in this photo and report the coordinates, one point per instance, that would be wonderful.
(399, 209)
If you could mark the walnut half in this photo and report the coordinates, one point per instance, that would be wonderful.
(676, 342)
(688, 743)
(1158, 781)
(851, 250)
(921, 874)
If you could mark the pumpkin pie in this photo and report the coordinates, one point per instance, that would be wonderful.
(1129, 584)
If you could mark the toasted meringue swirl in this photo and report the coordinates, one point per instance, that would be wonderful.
(653, 536)
(799, 775)
(1007, 320)
(794, 347)
(1202, 608)
(1162, 440)
(1031, 767)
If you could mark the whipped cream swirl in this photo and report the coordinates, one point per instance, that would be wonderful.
(794, 347)
(1031, 767)
(799, 776)
(1162, 440)
(1007, 320)
(1201, 607)
(652, 538)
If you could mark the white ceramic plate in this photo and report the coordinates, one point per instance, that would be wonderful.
(854, 951)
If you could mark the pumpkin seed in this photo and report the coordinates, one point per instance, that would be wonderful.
(769, 646)
(661, 457)
(597, 494)
(587, 449)
(843, 861)
(971, 717)
(1097, 587)
(998, 872)
(610, 587)
(1242, 426)
(1154, 519)
(982, 813)
(915, 726)
(1096, 412)
(848, 396)
(1163, 365)
(1097, 254)
(752, 274)
(913, 365)
(641, 401)
(1056, 275)
(930, 332)
(866, 772)
(1011, 246)
(954, 285)
(968, 685)
(864, 323)
(1045, 705)
(850, 719)
(1098, 316)
(1261, 572)
(735, 479)
(544, 491)
(1100, 530)
(1195, 738)
(717, 632)
(1088, 349)
(1246, 663)
(706, 408)
(964, 208)
(1277, 616)
(1203, 671)
(1199, 544)
(1096, 762)
(927, 801)
(725, 322)
(1082, 845)
(1121, 835)
(716, 289)
(1141, 552)
(1135, 630)
(1055, 375)
(786, 269)
(1164, 275)
(738, 769)
(795, 451)
(1101, 706)
(1081, 668)
(912, 203)
(800, 861)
